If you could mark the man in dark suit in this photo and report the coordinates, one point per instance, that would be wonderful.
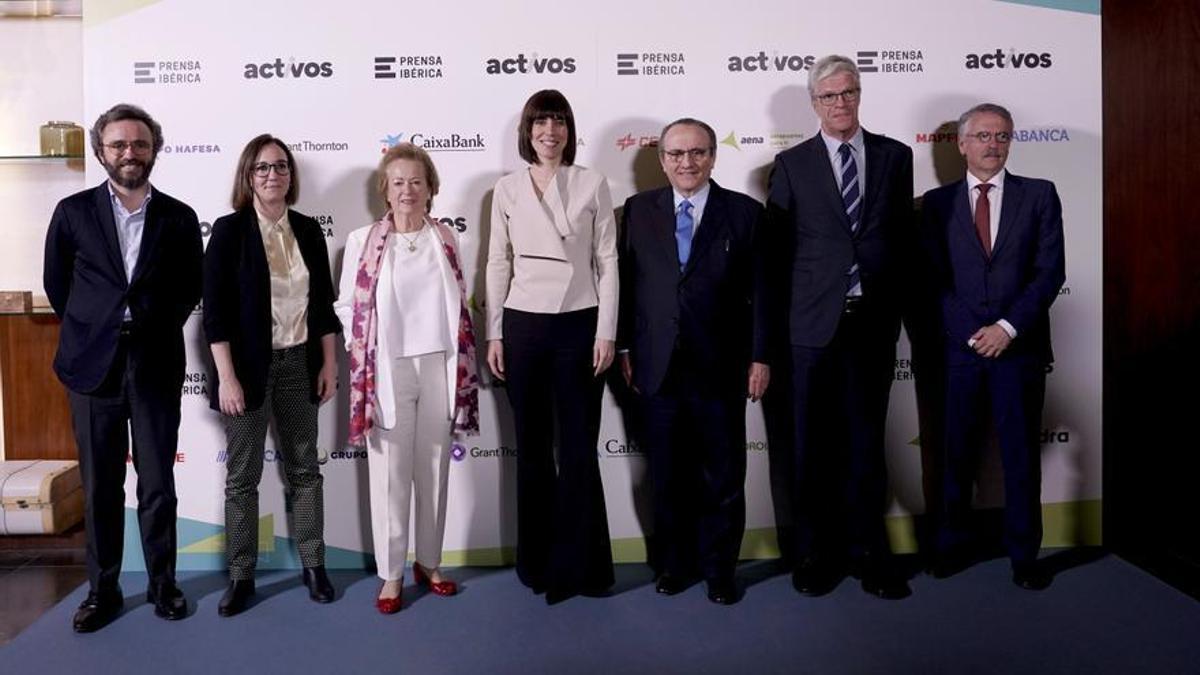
(693, 339)
(122, 271)
(841, 205)
(995, 246)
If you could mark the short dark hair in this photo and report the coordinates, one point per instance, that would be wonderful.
(118, 113)
(413, 153)
(690, 121)
(993, 108)
(543, 104)
(243, 183)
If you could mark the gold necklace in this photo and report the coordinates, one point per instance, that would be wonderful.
(412, 243)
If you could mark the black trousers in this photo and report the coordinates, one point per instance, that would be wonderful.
(145, 401)
(840, 396)
(1009, 390)
(695, 436)
(562, 525)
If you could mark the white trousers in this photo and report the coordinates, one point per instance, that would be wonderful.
(410, 463)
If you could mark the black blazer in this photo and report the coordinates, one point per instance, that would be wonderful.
(84, 278)
(1017, 283)
(716, 308)
(237, 298)
(814, 241)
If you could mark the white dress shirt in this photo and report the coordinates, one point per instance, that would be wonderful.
(130, 225)
(995, 198)
(859, 152)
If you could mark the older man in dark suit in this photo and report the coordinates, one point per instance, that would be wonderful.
(841, 203)
(693, 340)
(994, 241)
(122, 271)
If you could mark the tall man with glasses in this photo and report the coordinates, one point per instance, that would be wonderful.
(994, 243)
(122, 271)
(841, 205)
(692, 336)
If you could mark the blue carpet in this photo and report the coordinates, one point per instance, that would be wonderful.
(1103, 616)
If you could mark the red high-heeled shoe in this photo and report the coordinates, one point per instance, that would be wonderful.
(391, 605)
(444, 588)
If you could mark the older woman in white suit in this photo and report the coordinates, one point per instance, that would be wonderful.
(552, 315)
(412, 375)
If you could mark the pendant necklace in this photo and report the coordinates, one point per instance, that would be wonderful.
(412, 243)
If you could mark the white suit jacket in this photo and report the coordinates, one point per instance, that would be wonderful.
(553, 255)
(386, 306)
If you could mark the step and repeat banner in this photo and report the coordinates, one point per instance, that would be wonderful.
(342, 82)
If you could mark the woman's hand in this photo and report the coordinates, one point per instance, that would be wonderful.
(495, 357)
(602, 355)
(230, 397)
(327, 380)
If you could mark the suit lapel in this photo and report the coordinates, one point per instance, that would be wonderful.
(713, 221)
(818, 158)
(1010, 204)
(102, 202)
(874, 178)
(151, 231)
(963, 222)
(663, 223)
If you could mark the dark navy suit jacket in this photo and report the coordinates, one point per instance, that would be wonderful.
(716, 307)
(85, 281)
(1017, 283)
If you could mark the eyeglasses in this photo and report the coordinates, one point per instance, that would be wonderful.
(119, 147)
(697, 154)
(847, 96)
(262, 169)
(1001, 137)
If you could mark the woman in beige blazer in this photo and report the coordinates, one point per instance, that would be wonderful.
(552, 317)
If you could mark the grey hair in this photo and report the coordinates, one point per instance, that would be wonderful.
(689, 121)
(831, 65)
(121, 112)
(993, 108)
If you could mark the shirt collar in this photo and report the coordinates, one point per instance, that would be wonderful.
(698, 200)
(997, 181)
(117, 203)
(856, 141)
(266, 225)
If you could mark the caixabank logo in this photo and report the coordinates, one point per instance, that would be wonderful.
(290, 68)
(437, 141)
(775, 62)
(891, 61)
(410, 67)
(651, 64)
(170, 72)
(613, 448)
(1013, 59)
(527, 64)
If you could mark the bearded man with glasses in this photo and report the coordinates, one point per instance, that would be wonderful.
(840, 205)
(122, 272)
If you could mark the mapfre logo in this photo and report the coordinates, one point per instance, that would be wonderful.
(293, 68)
(1010, 60)
(533, 63)
(775, 62)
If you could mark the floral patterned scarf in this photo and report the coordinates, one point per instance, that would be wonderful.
(364, 334)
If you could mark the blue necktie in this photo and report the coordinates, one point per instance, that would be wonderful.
(852, 200)
(683, 232)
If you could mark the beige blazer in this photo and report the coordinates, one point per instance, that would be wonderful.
(556, 254)
(386, 305)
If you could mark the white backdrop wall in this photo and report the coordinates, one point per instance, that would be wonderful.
(340, 82)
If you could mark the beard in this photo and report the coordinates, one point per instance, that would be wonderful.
(127, 180)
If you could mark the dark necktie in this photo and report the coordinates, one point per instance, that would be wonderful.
(983, 218)
(683, 231)
(852, 200)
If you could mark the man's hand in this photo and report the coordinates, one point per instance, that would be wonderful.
(990, 341)
(760, 377)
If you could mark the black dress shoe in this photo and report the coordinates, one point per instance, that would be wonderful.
(1031, 576)
(168, 601)
(319, 587)
(812, 578)
(557, 595)
(886, 585)
(946, 565)
(236, 597)
(671, 584)
(97, 611)
(722, 591)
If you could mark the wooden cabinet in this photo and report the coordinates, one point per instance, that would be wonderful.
(37, 417)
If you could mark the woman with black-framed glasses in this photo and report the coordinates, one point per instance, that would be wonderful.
(269, 321)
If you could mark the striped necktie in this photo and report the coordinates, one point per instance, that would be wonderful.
(852, 200)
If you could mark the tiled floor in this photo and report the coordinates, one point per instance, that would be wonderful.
(34, 580)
